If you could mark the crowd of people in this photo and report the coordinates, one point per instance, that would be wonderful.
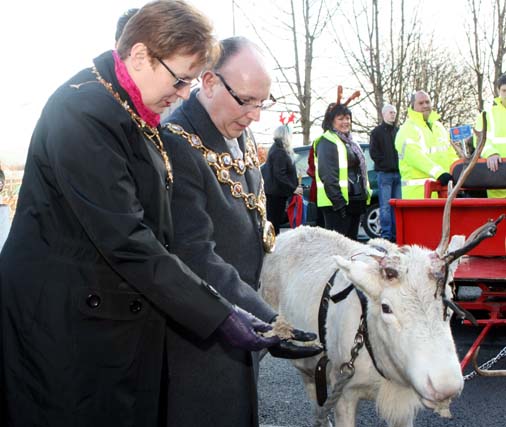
(404, 159)
(135, 301)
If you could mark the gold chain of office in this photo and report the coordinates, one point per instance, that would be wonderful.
(222, 164)
(148, 131)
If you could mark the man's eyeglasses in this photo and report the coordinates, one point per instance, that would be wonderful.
(264, 105)
(179, 83)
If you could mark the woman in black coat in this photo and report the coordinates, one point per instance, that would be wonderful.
(88, 283)
(280, 176)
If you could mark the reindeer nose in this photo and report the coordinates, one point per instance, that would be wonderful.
(442, 390)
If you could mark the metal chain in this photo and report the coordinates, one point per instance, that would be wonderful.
(346, 371)
(358, 344)
(487, 365)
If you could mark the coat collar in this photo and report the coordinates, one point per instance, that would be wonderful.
(418, 117)
(105, 66)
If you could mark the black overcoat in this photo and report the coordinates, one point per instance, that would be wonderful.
(280, 178)
(220, 239)
(88, 286)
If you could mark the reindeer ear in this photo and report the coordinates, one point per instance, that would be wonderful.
(363, 274)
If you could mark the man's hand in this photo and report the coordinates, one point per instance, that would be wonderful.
(300, 344)
(493, 162)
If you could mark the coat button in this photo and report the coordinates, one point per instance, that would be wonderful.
(93, 301)
(135, 306)
(166, 246)
(167, 186)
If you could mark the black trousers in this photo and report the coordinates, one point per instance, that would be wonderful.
(276, 210)
(348, 226)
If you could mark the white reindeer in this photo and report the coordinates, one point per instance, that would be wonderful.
(412, 362)
(411, 341)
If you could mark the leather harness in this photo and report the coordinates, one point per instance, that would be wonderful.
(321, 366)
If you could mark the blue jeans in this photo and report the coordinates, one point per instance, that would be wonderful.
(389, 187)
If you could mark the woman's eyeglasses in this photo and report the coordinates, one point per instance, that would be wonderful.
(264, 105)
(179, 83)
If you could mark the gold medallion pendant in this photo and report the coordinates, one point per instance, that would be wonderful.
(223, 164)
(268, 237)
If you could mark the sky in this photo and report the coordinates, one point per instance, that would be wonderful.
(49, 41)
(46, 42)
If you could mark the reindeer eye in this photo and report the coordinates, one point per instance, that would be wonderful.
(390, 273)
(386, 309)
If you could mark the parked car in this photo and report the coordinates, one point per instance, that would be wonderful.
(370, 220)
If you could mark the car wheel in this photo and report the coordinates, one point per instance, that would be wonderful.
(371, 221)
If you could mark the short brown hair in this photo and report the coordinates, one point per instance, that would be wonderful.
(168, 28)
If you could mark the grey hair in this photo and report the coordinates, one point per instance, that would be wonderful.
(387, 107)
(284, 134)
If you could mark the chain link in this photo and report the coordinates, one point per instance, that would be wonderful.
(349, 367)
(487, 365)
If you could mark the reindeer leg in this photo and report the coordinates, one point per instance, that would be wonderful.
(345, 412)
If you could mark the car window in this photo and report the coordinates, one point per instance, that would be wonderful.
(369, 162)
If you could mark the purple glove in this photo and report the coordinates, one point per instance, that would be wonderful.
(240, 329)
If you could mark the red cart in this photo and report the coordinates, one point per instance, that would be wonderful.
(420, 222)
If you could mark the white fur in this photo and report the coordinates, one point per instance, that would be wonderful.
(413, 346)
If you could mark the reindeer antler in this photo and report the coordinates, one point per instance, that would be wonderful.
(475, 238)
(354, 95)
(339, 94)
(445, 233)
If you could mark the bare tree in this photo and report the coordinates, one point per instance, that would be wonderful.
(487, 45)
(475, 40)
(379, 61)
(500, 45)
(303, 23)
(448, 83)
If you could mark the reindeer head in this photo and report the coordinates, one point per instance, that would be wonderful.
(408, 330)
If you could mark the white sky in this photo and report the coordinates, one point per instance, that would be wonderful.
(47, 41)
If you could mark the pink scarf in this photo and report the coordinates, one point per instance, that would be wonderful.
(126, 82)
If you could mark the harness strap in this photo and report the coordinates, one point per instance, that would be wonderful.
(320, 374)
(341, 296)
(322, 312)
(363, 303)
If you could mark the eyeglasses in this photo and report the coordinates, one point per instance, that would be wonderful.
(179, 83)
(264, 105)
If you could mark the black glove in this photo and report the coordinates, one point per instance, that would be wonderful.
(445, 178)
(297, 347)
(240, 329)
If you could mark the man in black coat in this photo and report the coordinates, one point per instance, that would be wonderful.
(386, 165)
(219, 221)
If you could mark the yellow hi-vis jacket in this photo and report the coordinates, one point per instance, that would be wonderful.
(321, 196)
(424, 152)
(496, 137)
